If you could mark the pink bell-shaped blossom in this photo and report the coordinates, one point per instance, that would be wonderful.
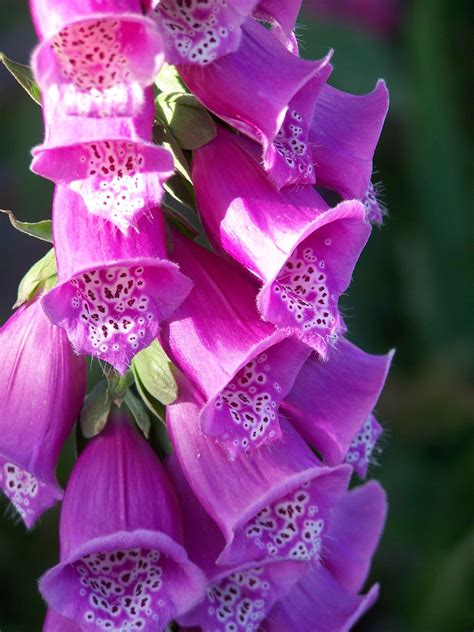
(302, 251)
(95, 58)
(112, 165)
(269, 94)
(237, 596)
(326, 598)
(113, 290)
(122, 563)
(43, 385)
(275, 505)
(242, 366)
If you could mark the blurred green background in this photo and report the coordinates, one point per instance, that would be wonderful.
(412, 290)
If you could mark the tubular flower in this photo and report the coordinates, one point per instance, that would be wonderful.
(331, 403)
(95, 58)
(269, 94)
(326, 598)
(118, 173)
(344, 133)
(301, 250)
(237, 597)
(200, 31)
(122, 565)
(288, 495)
(43, 385)
(113, 290)
(242, 366)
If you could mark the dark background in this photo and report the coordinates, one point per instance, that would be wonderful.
(412, 290)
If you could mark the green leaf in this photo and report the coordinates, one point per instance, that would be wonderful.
(138, 412)
(190, 123)
(96, 410)
(168, 80)
(153, 369)
(40, 278)
(41, 230)
(24, 76)
(118, 385)
(153, 405)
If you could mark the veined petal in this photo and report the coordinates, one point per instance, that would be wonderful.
(319, 602)
(200, 32)
(118, 178)
(344, 134)
(98, 64)
(113, 291)
(268, 94)
(302, 251)
(54, 622)
(288, 495)
(122, 562)
(43, 384)
(325, 597)
(239, 595)
(242, 366)
(332, 401)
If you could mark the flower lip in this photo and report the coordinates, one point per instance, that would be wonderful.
(61, 585)
(31, 496)
(70, 301)
(302, 297)
(239, 540)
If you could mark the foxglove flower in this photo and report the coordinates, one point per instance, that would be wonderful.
(113, 290)
(116, 170)
(237, 597)
(275, 505)
(301, 250)
(242, 366)
(331, 404)
(326, 598)
(43, 385)
(122, 565)
(344, 133)
(199, 32)
(95, 58)
(269, 94)
(281, 15)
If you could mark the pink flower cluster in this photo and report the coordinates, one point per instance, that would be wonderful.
(248, 524)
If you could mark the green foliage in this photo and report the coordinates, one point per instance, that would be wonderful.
(41, 230)
(40, 278)
(24, 76)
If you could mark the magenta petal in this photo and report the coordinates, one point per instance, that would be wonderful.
(113, 291)
(43, 385)
(303, 252)
(283, 484)
(118, 178)
(240, 595)
(356, 527)
(242, 366)
(268, 94)
(99, 65)
(344, 133)
(54, 622)
(122, 561)
(362, 446)
(332, 400)
(282, 13)
(374, 209)
(50, 16)
(199, 33)
(318, 602)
